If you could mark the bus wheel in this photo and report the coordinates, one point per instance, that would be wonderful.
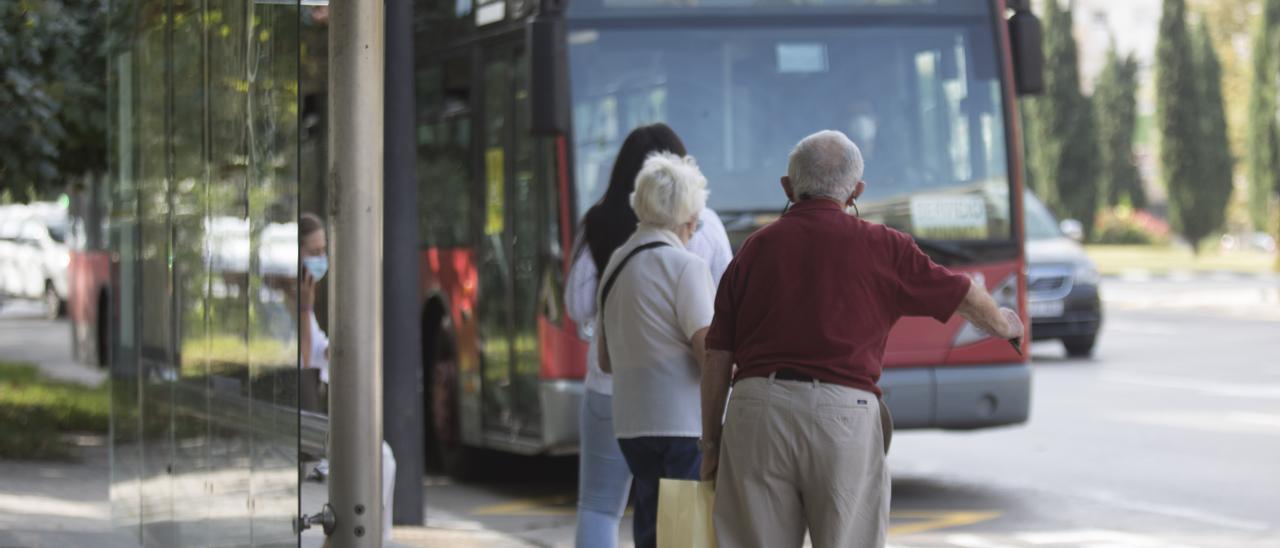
(102, 335)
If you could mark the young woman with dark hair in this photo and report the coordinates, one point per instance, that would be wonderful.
(604, 478)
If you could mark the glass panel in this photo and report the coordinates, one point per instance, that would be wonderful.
(444, 152)
(191, 465)
(272, 146)
(227, 233)
(494, 306)
(929, 122)
(204, 234)
(527, 244)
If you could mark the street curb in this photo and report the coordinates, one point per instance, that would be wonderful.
(463, 538)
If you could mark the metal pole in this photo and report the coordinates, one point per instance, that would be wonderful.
(402, 350)
(356, 62)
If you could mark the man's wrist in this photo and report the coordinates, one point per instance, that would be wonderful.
(708, 445)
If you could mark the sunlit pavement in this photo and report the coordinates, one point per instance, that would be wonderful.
(1169, 438)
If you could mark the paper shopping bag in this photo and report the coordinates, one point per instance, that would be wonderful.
(684, 514)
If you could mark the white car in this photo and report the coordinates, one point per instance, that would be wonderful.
(34, 255)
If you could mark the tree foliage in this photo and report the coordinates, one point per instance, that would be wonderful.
(1062, 141)
(1195, 157)
(1263, 133)
(52, 83)
(1115, 98)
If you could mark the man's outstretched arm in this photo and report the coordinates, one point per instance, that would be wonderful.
(981, 310)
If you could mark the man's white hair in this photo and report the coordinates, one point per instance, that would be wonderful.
(670, 191)
(824, 165)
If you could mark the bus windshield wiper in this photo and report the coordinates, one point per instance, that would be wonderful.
(936, 247)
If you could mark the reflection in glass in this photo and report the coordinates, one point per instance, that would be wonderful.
(204, 239)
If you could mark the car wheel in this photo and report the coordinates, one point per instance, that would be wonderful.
(54, 308)
(1080, 346)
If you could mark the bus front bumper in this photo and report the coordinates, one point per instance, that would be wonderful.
(958, 397)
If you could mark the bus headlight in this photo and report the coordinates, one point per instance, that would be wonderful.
(1006, 296)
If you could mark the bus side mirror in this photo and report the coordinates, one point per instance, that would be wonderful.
(548, 76)
(1027, 50)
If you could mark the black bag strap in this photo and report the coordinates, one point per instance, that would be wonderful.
(613, 277)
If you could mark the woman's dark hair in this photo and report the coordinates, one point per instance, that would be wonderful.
(308, 224)
(611, 221)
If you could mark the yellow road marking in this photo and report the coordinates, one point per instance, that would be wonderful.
(563, 505)
(549, 505)
(932, 521)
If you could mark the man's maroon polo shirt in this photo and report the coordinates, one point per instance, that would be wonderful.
(817, 292)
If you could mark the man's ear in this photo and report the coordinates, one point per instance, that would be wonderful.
(786, 187)
(857, 191)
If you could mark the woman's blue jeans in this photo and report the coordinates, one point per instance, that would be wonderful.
(603, 477)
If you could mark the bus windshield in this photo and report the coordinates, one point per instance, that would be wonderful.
(922, 101)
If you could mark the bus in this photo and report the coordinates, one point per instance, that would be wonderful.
(521, 107)
(88, 305)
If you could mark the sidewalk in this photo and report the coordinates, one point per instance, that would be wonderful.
(61, 504)
(448, 532)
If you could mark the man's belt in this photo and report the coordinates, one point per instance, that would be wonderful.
(788, 374)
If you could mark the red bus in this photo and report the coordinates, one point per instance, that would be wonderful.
(89, 272)
(523, 105)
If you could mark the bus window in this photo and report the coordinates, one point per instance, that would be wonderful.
(444, 152)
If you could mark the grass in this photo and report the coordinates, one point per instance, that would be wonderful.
(36, 412)
(1116, 259)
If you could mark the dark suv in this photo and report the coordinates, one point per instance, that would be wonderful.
(1062, 282)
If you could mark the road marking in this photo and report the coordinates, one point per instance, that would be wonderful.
(563, 505)
(1192, 514)
(1266, 391)
(973, 541)
(933, 521)
(550, 505)
(1094, 537)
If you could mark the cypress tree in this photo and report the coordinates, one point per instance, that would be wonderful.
(1263, 133)
(1063, 146)
(1206, 210)
(1115, 98)
(1177, 115)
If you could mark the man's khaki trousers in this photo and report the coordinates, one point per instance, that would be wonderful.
(797, 455)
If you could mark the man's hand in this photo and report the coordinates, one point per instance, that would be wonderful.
(1013, 324)
(710, 461)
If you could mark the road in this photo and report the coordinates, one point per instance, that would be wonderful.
(1169, 437)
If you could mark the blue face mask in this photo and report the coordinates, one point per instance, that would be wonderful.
(316, 266)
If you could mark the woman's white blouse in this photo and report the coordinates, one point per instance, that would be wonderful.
(711, 243)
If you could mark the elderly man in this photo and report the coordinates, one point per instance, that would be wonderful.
(655, 306)
(804, 311)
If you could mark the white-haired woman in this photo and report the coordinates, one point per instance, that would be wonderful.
(656, 302)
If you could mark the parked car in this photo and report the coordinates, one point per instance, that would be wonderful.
(34, 255)
(1062, 282)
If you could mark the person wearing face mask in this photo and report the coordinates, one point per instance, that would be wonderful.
(314, 344)
(315, 264)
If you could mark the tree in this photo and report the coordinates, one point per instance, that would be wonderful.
(1117, 111)
(52, 83)
(1212, 192)
(1263, 133)
(1195, 157)
(1062, 142)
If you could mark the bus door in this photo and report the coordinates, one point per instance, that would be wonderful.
(509, 247)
